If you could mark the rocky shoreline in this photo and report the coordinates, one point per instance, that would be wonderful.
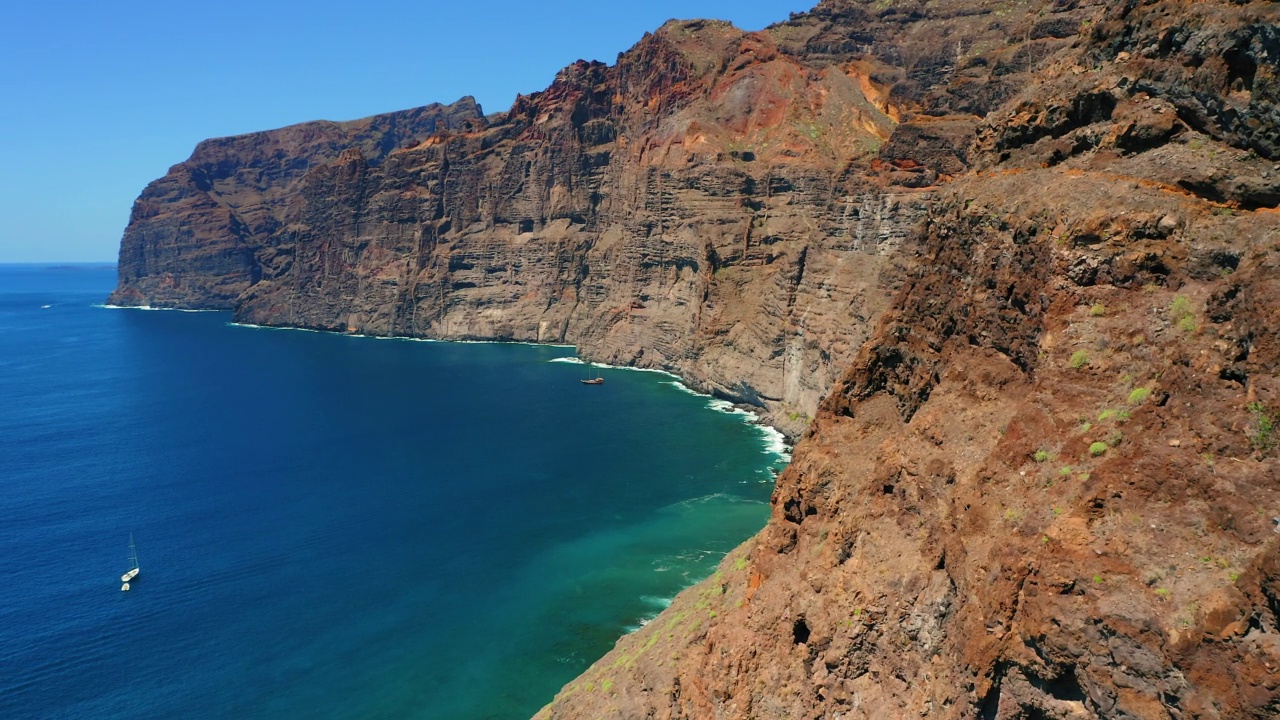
(1008, 270)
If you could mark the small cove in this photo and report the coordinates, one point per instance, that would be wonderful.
(335, 526)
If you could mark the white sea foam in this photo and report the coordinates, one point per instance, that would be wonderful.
(505, 342)
(613, 367)
(405, 338)
(690, 502)
(682, 387)
(251, 326)
(729, 408)
(387, 337)
(639, 624)
(648, 370)
(148, 307)
(657, 602)
(776, 442)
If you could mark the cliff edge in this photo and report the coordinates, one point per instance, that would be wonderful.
(728, 206)
(1047, 486)
(1008, 267)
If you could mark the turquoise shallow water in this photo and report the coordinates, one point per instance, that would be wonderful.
(332, 526)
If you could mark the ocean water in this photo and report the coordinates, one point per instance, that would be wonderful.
(333, 526)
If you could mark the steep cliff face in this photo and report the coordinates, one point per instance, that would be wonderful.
(721, 204)
(1047, 486)
(684, 209)
(583, 221)
(1026, 251)
(194, 235)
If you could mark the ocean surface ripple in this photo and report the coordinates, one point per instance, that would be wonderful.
(330, 526)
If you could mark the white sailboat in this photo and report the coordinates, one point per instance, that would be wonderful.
(597, 380)
(133, 570)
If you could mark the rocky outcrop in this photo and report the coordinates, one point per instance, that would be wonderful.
(1017, 260)
(724, 205)
(1047, 486)
(194, 236)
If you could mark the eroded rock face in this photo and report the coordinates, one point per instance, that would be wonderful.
(195, 235)
(1027, 252)
(725, 205)
(1046, 487)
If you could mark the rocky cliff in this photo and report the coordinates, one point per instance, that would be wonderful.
(725, 205)
(1026, 251)
(195, 235)
(1047, 485)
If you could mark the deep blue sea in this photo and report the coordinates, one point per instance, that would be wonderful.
(333, 526)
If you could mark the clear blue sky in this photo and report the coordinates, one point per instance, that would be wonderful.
(99, 98)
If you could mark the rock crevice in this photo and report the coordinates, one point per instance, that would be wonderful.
(1007, 269)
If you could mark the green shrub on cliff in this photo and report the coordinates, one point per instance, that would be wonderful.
(1182, 314)
(1262, 434)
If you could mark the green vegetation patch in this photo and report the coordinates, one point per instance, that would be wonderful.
(1139, 395)
(1079, 359)
(1098, 448)
(1262, 433)
(1183, 317)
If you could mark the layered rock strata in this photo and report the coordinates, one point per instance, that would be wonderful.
(1026, 251)
(724, 205)
(1047, 486)
(195, 235)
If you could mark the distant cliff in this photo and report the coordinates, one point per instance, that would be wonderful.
(1018, 261)
(725, 205)
(195, 235)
